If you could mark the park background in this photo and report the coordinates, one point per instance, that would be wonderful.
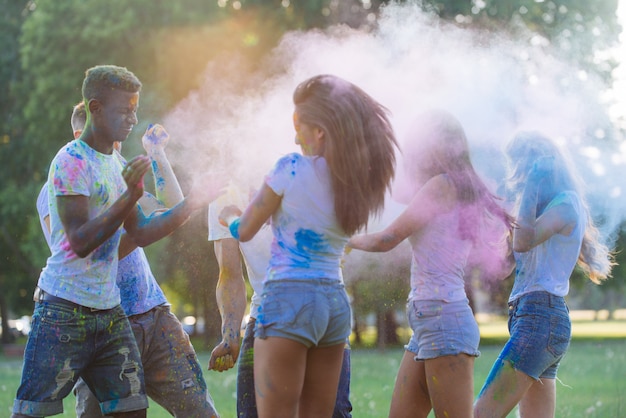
(219, 75)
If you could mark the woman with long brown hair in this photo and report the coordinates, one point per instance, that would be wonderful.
(445, 221)
(316, 200)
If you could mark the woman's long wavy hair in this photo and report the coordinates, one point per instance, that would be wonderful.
(437, 144)
(359, 145)
(526, 147)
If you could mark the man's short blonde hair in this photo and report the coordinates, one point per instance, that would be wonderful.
(79, 117)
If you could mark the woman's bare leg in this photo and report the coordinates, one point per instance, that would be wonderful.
(279, 369)
(450, 382)
(503, 389)
(321, 381)
(539, 401)
(410, 394)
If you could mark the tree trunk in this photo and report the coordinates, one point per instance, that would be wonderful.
(7, 335)
(357, 332)
(386, 328)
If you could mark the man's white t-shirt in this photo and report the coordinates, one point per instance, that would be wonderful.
(78, 169)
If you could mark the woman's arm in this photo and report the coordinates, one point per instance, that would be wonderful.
(262, 206)
(437, 196)
(531, 230)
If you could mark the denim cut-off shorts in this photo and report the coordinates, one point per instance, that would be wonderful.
(66, 343)
(540, 330)
(314, 312)
(442, 329)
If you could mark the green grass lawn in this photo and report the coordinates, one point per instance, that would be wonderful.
(592, 375)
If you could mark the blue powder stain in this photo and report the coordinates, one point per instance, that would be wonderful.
(308, 240)
(158, 179)
(106, 250)
(292, 160)
(74, 153)
(102, 193)
(497, 368)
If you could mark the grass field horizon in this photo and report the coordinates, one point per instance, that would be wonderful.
(592, 377)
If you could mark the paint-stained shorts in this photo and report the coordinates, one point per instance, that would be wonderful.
(173, 374)
(442, 329)
(314, 312)
(540, 330)
(66, 343)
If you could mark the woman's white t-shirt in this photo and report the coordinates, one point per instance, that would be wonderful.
(308, 241)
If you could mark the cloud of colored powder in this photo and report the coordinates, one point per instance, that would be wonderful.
(241, 121)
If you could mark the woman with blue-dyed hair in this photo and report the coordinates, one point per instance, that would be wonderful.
(554, 232)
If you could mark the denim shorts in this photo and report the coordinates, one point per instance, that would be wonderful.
(540, 330)
(172, 372)
(314, 312)
(66, 343)
(442, 329)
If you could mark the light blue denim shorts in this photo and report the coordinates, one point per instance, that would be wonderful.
(314, 312)
(442, 329)
(540, 330)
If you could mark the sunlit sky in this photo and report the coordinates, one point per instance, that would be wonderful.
(619, 110)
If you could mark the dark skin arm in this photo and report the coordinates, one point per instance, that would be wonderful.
(145, 230)
(127, 245)
(84, 234)
(168, 191)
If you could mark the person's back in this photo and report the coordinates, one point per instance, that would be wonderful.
(447, 203)
(304, 317)
(440, 257)
(309, 241)
(549, 266)
(554, 233)
(256, 255)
